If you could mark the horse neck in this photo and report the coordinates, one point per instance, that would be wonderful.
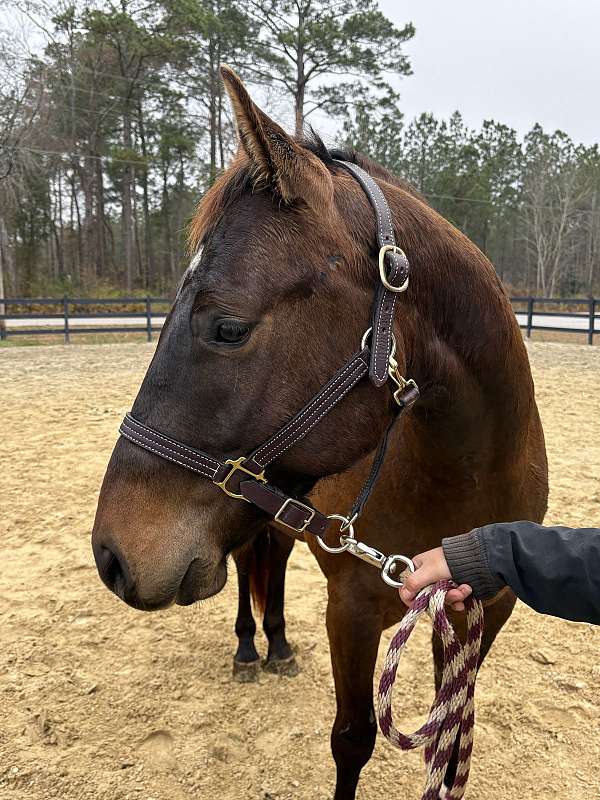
(456, 315)
(458, 338)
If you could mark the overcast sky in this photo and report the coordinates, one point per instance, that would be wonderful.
(516, 61)
(519, 62)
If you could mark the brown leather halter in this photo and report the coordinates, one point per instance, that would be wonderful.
(244, 478)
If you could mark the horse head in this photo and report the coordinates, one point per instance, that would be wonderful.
(277, 297)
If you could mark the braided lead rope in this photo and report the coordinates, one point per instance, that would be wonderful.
(453, 711)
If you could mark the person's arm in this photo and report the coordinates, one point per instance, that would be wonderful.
(554, 570)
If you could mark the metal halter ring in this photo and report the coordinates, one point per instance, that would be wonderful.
(366, 335)
(390, 564)
(347, 526)
(391, 248)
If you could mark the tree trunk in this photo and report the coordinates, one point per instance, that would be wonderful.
(136, 235)
(128, 242)
(100, 221)
(179, 219)
(166, 209)
(149, 254)
(88, 267)
(212, 112)
(77, 264)
(7, 263)
(220, 127)
(61, 238)
(3, 259)
(591, 249)
(300, 77)
(56, 237)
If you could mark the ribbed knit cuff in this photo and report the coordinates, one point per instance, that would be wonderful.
(467, 563)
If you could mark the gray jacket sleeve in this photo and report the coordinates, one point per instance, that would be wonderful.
(554, 570)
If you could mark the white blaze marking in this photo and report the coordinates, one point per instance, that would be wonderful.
(190, 270)
(195, 261)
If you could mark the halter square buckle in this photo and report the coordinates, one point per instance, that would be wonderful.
(296, 504)
(236, 466)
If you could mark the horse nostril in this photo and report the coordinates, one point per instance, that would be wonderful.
(113, 571)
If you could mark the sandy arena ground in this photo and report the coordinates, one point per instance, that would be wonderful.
(101, 702)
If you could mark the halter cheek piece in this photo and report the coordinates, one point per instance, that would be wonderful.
(244, 478)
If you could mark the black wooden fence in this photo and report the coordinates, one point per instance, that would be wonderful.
(532, 313)
(535, 316)
(68, 311)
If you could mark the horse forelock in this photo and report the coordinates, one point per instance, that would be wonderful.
(241, 178)
(434, 246)
(228, 187)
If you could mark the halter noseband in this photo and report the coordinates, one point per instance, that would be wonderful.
(244, 478)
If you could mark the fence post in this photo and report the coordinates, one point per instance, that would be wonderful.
(592, 324)
(529, 316)
(148, 318)
(66, 316)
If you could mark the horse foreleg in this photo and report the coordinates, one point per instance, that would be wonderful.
(246, 661)
(280, 656)
(495, 612)
(354, 626)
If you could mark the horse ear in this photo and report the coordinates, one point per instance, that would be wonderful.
(278, 160)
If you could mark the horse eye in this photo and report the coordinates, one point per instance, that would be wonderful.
(231, 332)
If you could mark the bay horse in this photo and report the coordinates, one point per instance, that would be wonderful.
(277, 297)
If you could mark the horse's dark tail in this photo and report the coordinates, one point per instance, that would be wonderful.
(259, 571)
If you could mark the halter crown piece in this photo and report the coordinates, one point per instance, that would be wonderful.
(243, 478)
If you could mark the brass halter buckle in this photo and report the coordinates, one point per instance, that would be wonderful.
(391, 248)
(291, 501)
(393, 369)
(394, 374)
(237, 466)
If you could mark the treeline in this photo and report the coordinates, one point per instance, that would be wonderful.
(110, 134)
(533, 206)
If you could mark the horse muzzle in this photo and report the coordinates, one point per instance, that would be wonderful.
(183, 583)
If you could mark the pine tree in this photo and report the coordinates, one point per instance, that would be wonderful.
(326, 55)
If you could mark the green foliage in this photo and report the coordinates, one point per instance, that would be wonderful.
(109, 137)
(532, 206)
(306, 46)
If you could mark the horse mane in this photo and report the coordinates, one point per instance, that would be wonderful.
(239, 178)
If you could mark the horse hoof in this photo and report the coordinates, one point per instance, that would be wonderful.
(283, 666)
(246, 671)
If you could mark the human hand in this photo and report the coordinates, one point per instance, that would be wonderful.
(430, 568)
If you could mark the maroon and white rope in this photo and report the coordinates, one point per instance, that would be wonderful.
(452, 714)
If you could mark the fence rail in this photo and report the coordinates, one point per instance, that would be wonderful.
(532, 315)
(565, 320)
(31, 323)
